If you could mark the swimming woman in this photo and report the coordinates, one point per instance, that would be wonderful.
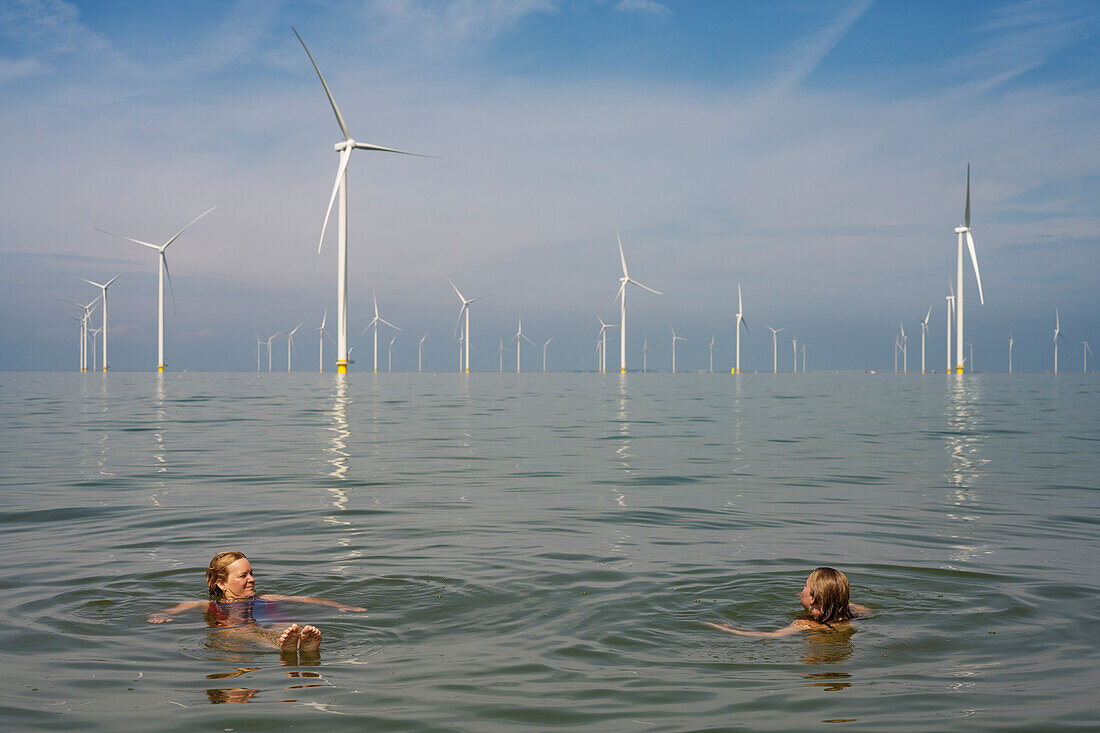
(234, 602)
(828, 608)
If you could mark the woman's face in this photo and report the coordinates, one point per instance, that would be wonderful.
(806, 598)
(238, 583)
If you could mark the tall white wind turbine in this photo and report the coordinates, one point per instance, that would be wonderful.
(904, 349)
(621, 297)
(519, 338)
(645, 353)
(675, 338)
(465, 309)
(103, 288)
(1087, 351)
(737, 330)
(345, 148)
(1010, 342)
(710, 362)
(420, 352)
(964, 231)
(775, 347)
(1057, 335)
(88, 308)
(161, 249)
(794, 344)
(603, 344)
(321, 334)
(923, 335)
(544, 345)
(269, 340)
(259, 343)
(375, 323)
(290, 345)
(803, 350)
(500, 354)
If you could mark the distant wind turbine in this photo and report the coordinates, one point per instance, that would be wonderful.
(389, 354)
(904, 349)
(775, 347)
(161, 249)
(420, 352)
(794, 344)
(345, 148)
(500, 354)
(923, 335)
(971, 362)
(1010, 342)
(259, 343)
(519, 338)
(645, 353)
(1087, 351)
(737, 330)
(103, 288)
(88, 308)
(465, 309)
(603, 344)
(544, 345)
(965, 231)
(675, 338)
(269, 340)
(1057, 335)
(710, 368)
(321, 334)
(375, 323)
(950, 317)
(621, 297)
(803, 350)
(290, 345)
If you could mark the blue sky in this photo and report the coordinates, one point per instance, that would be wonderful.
(815, 152)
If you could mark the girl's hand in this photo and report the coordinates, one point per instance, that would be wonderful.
(159, 618)
(344, 609)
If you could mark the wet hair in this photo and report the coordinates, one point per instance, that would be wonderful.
(219, 570)
(830, 591)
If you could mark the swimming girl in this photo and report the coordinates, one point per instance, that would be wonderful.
(234, 601)
(825, 598)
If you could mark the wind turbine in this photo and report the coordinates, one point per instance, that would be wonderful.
(466, 333)
(1087, 351)
(961, 231)
(519, 338)
(544, 345)
(93, 333)
(374, 323)
(269, 340)
(645, 352)
(775, 347)
(420, 352)
(103, 287)
(897, 348)
(803, 350)
(290, 345)
(88, 308)
(259, 342)
(794, 344)
(621, 297)
(923, 334)
(345, 148)
(603, 343)
(950, 317)
(904, 350)
(321, 333)
(971, 347)
(160, 249)
(1057, 335)
(81, 336)
(737, 330)
(675, 338)
(389, 354)
(1010, 342)
(710, 369)
(500, 353)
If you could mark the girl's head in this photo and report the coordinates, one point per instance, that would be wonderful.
(825, 596)
(230, 576)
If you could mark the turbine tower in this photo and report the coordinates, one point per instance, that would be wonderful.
(1087, 351)
(160, 249)
(103, 287)
(710, 362)
(602, 341)
(345, 148)
(737, 330)
(964, 231)
(1010, 342)
(1057, 335)
(621, 297)
(675, 338)
(420, 352)
(923, 335)
(519, 338)
(375, 324)
(544, 345)
(775, 347)
(321, 333)
(950, 317)
(290, 345)
(269, 340)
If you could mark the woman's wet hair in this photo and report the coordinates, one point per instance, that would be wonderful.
(831, 592)
(219, 570)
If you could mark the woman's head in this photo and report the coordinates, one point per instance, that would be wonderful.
(826, 595)
(229, 576)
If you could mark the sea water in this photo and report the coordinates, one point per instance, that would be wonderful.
(540, 551)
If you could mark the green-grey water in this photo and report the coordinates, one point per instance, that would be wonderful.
(539, 551)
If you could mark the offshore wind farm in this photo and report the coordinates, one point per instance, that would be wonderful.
(503, 497)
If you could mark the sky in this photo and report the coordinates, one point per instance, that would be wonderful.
(814, 152)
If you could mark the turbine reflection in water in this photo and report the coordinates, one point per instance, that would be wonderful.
(965, 462)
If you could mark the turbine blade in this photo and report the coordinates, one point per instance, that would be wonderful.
(98, 285)
(645, 287)
(739, 308)
(168, 274)
(622, 258)
(383, 320)
(379, 148)
(181, 231)
(745, 324)
(324, 318)
(459, 321)
(619, 294)
(974, 261)
(967, 215)
(460, 297)
(339, 117)
(345, 156)
(128, 239)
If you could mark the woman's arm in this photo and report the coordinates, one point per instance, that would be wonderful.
(166, 615)
(859, 610)
(793, 628)
(343, 608)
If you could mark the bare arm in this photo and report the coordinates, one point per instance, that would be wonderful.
(794, 628)
(166, 615)
(858, 610)
(343, 608)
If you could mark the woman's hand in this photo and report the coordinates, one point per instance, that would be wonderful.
(159, 618)
(344, 609)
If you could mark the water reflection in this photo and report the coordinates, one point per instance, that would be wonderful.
(241, 695)
(623, 452)
(338, 445)
(830, 647)
(160, 416)
(965, 467)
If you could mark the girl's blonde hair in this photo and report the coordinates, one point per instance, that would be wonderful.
(219, 570)
(831, 592)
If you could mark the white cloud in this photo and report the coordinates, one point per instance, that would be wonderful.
(651, 8)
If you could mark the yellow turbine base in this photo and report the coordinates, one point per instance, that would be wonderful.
(104, 370)
(341, 367)
(623, 371)
(160, 367)
(959, 369)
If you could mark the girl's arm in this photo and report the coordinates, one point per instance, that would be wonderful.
(166, 615)
(794, 628)
(857, 609)
(343, 608)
